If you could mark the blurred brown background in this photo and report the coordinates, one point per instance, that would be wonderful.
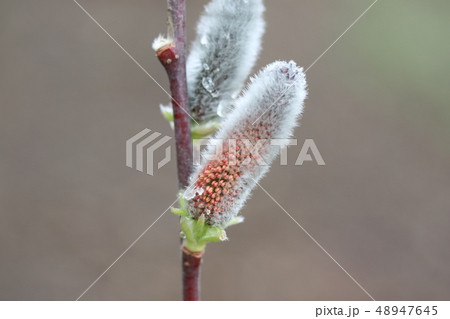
(378, 110)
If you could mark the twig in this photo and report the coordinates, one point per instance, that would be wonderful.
(191, 274)
(173, 58)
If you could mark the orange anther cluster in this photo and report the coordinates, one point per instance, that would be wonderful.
(216, 185)
(216, 180)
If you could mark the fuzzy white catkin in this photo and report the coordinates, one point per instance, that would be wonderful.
(269, 109)
(226, 47)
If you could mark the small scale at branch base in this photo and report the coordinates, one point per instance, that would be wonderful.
(167, 54)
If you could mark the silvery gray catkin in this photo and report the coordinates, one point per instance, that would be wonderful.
(269, 109)
(222, 55)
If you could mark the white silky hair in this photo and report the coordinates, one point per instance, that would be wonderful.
(161, 41)
(272, 102)
(227, 45)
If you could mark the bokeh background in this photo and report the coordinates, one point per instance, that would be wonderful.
(378, 111)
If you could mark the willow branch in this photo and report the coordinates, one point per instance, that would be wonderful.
(171, 52)
(191, 274)
(173, 58)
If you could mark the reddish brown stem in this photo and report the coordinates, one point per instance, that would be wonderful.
(173, 58)
(191, 274)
